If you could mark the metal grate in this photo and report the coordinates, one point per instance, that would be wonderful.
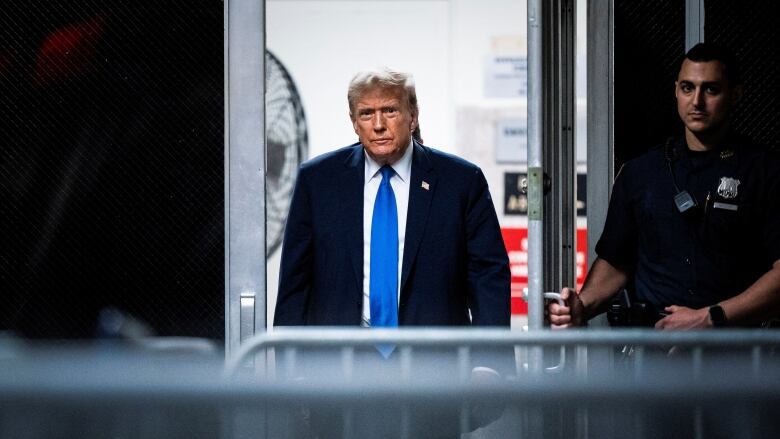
(649, 43)
(750, 30)
(112, 166)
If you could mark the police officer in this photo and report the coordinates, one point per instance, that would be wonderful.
(694, 224)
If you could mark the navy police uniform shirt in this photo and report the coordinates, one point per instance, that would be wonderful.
(711, 252)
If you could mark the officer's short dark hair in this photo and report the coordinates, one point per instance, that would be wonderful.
(703, 52)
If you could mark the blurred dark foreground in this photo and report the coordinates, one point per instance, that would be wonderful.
(715, 384)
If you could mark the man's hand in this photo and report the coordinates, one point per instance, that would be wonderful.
(680, 318)
(567, 316)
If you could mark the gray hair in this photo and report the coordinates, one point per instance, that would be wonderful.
(381, 78)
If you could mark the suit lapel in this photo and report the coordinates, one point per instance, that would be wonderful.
(351, 183)
(422, 187)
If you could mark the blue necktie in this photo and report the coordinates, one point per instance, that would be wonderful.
(383, 282)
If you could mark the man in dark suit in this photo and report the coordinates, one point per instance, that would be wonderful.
(388, 232)
(454, 269)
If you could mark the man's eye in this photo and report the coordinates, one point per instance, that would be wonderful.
(712, 90)
(686, 88)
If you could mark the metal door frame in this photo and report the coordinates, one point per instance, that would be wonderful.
(245, 168)
(551, 151)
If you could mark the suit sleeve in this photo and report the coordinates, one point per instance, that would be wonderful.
(488, 264)
(295, 273)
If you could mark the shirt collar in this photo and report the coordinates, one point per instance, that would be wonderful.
(402, 168)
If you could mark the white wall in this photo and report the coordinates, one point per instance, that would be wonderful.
(480, 31)
(324, 43)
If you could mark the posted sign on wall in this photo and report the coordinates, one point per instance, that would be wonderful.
(516, 243)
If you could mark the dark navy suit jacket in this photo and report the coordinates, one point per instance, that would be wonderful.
(455, 268)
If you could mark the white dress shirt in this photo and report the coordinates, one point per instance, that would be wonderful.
(400, 183)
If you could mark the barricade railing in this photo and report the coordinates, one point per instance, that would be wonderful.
(290, 339)
(720, 383)
(628, 370)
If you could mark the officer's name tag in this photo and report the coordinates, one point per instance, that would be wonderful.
(725, 206)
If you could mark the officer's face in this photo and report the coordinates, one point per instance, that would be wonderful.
(704, 96)
(384, 123)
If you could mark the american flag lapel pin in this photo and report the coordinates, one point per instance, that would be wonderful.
(425, 185)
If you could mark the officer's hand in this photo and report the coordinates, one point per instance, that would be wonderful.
(681, 318)
(567, 316)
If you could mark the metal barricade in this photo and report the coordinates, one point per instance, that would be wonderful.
(621, 383)
(286, 383)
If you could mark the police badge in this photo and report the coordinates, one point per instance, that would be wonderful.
(728, 187)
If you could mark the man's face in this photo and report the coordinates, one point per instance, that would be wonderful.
(384, 123)
(704, 96)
